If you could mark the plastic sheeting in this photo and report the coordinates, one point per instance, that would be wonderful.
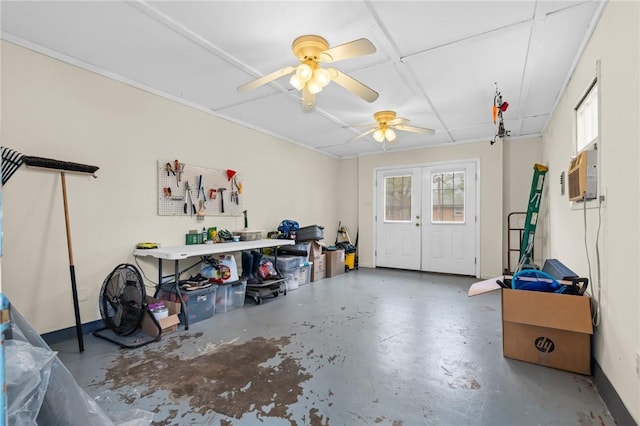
(45, 392)
(27, 379)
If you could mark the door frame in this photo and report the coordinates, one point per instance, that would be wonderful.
(446, 163)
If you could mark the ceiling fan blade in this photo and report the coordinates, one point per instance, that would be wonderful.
(353, 85)
(353, 49)
(414, 129)
(362, 135)
(265, 79)
(371, 125)
(308, 100)
(397, 121)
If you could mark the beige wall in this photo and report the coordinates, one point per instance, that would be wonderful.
(490, 175)
(347, 198)
(616, 43)
(55, 110)
(519, 157)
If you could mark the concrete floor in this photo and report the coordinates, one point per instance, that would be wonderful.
(373, 346)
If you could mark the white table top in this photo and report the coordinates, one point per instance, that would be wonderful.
(186, 251)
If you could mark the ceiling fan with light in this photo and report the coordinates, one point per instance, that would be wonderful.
(386, 123)
(310, 77)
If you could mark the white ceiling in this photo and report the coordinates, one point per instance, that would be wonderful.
(436, 61)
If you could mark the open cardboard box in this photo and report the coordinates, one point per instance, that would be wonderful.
(168, 324)
(548, 329)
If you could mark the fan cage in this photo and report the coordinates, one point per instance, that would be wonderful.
(123, 300)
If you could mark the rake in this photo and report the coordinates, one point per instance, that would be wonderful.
(11, 161)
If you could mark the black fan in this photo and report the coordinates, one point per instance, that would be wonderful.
(123, 299)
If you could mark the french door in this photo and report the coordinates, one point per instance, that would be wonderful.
(426, 218)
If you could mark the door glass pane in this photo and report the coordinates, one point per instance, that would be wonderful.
(447, 197)
(397, 198)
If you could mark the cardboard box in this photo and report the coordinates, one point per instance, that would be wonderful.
(318, 270)
(548, 329)
(315, 250)
(335, 262)
(168, 324)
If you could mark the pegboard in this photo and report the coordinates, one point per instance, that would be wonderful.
(172, 192)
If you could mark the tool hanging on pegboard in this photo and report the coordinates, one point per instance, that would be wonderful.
(203, 185)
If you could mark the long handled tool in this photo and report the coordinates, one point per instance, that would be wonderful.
(221, 192)
(62, 167)
(188, 200)
(11, 160)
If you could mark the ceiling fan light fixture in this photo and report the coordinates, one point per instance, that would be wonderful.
(378, 135)
(296, 82)
(314, 86)
(310, 50)
(322, 76)
(390, 135)
(304, 72)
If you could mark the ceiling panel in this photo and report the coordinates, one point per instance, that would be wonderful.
(436, 62)
(480, 132)
(438, 23)
(531, 125)
(283, 117)
(460, 80)
(268, 29)
(549, 65)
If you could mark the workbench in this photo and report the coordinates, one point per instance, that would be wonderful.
(183, 252)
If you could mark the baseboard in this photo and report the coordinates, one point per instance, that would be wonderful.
(608, 393)
(70, 332)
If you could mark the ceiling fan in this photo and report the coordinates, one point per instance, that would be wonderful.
(386, 123)
(310, 77)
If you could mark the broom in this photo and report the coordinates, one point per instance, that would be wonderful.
(62, 167)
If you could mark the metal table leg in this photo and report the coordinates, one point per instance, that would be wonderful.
(183, 306)
(155, 294)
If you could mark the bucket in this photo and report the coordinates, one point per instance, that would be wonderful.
(160, 313)
(350, 261)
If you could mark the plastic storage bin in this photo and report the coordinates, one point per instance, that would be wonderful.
(230, 295)
(238, 291)
(249, 235)
(292, 278)
(200, 303)
(305, 273)
(302, 248)
(286, 262)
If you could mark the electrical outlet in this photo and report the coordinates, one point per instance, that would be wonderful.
(83, 294)
(602, 197)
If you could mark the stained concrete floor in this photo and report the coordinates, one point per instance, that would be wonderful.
(373, 346)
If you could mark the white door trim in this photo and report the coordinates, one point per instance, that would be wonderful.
(374, 231)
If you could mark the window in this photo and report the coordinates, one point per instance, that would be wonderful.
(397, 198)
(447, 197)
(587, 118)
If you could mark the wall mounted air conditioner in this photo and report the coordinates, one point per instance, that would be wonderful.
(582, 174)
